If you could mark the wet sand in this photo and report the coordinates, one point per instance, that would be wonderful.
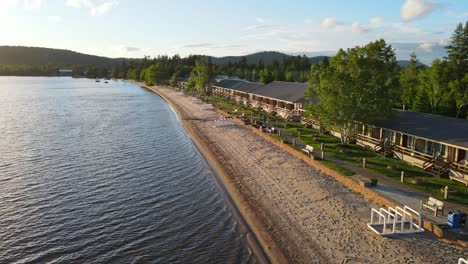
(297, 213)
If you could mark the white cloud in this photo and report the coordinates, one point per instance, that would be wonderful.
(6, 5)
(358, 28)
(79, 3)
(101, 9)
(208, 46)
(462, 15)
(195, 45)
(263, 24)
(426, 46)
(444, 42)
(131, 49)
(55, 19)
(253, 27)
(95, 10)
(376, 22)
(328, 23)
(413, 9)
(32, 4)
(404, 28)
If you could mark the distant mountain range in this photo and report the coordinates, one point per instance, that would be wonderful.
(426, 52)
(18, 55)
(269, 56)
(264, 56)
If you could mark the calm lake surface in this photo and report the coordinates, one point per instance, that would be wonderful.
(104, 173)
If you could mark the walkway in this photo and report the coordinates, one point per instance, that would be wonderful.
(399, 193)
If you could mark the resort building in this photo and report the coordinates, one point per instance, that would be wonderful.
(236, 90)
(434, 143)
(287, 99)
(284, 98)
(225, 88)
(438, 144)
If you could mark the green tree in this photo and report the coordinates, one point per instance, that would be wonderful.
(290, 76)
(192, 82)
(434, 83)
(409, 82)
(458, 58)
(421, 101)
(130, 74)
(265, 76)
(354, 87)
(458, 49)
(159, 73)
(204, 74)
(460, 96)
(173, 81)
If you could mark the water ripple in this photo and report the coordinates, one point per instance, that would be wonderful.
(104, 173)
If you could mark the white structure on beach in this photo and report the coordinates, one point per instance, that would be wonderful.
(395, 221)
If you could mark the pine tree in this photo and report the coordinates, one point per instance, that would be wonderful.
(421, 101)
(458, 49)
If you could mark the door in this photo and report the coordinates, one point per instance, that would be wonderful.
(461, 155)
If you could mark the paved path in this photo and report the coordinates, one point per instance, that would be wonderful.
(400, 193)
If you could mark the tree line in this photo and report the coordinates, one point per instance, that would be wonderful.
(162, 69)
(362, 85)
(441, 88)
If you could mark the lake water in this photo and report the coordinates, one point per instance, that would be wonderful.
(104, 173)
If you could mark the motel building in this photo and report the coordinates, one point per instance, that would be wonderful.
(284, 98)
(438, 144)
(235, 89)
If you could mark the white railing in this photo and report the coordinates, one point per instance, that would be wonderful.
(419, 217)
(382, 221)
(462, 261)
(401, 219)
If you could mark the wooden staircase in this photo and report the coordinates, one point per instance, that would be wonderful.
(437, 167)
(385, 147)
(306, 122)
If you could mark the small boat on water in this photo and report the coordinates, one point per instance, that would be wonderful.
(106, 82)
(97, 80)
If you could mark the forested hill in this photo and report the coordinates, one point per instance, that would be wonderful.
(405, 63)
(33, 56)
(270, 56)
(17, 55)
(264, 56)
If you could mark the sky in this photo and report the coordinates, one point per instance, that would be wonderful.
(134, 28)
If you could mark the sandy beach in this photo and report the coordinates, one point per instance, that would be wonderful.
(298, 214)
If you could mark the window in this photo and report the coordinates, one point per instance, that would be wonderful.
(420, 145)
(430, 147)
(388, 134)
(410, 142)
(435, 149)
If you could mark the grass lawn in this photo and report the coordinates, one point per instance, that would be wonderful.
(353, 154)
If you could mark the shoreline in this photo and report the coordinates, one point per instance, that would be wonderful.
(297, 212)
(248, 224)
